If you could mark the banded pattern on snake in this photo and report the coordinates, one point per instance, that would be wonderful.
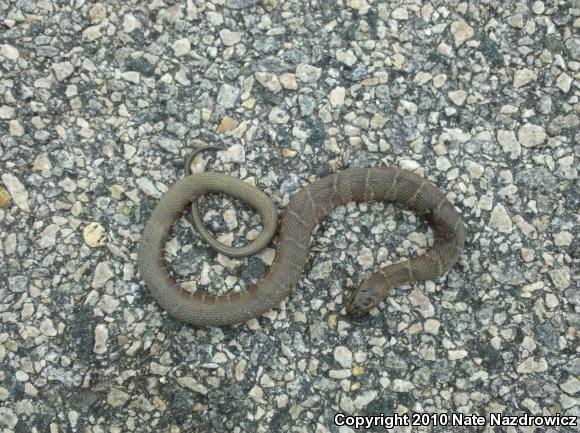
(304, 212)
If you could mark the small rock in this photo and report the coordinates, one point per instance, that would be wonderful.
(564, 82)
(98, 13)
(527, 255)
(421, 303)
(366, 258)
(457, 96)
(277, 115)
(269, 81)
(346, 57)
(192, 384)
(454, 355)
(365, 398)
(531, 365)
(308, 73)
(159, 369)
(230, 38)
(427, 11)
(15, 128)
(538, 7)
(377, 121)
(101, 339)
(8, 418)
(7, 112)
(523, 77)
(321, 270)
(461, 32)
(569, 121)
(552, 301)
(63, 70)
(4, 197)
(288, 81)
(398, 60)
(228, 96)
(500, 219)
(337, 96)
(240, 369)
(526, 228)
(235, 153)
(47, 328)
(227, 124)
(181, 47)
(117, 398)
(215, 18)
(509, 143)
(92, 33)
(563, 239)
(130, 23)
(17, 191)
(442, 163)
(30, 389)
(108, 304)
(9, 52)
(18, 283)
(22, 376)
(573, 46)
(560, 277)
(48, 236)
(343, 356)
(516, 21)
(289, 153)
(170, 144)
(530, 135)
(249, 103)
(422, 78)
(567, 402)
(571, 386)
(408, 106)
(439, 80)
(256, 393)
(131, 76)
(360, 5)
(103, 273)
(307, 104)
(340, 374)
(409, 164)
(400, 14)
(432, 326)
(146, 185)
(400, 385)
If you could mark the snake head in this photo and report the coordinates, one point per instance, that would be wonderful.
(368, 296)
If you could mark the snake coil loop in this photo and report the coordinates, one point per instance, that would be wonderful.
(264, 207)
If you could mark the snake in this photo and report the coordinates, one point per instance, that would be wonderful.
(304, 212)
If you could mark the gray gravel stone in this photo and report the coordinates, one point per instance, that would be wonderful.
(18, 283)
(308, 73)
(17, 191)
(9, 52)
(228, 96)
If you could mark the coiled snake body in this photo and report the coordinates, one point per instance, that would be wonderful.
(304, 212)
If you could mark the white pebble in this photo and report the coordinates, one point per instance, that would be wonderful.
(343, 356)
(101, 339)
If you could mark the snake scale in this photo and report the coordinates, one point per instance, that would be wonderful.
(306, 210)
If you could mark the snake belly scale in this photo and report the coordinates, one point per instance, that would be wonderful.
(304, 212)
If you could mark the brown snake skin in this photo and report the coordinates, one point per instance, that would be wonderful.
(304, 212)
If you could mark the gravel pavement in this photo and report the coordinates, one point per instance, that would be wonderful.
(99, 104)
